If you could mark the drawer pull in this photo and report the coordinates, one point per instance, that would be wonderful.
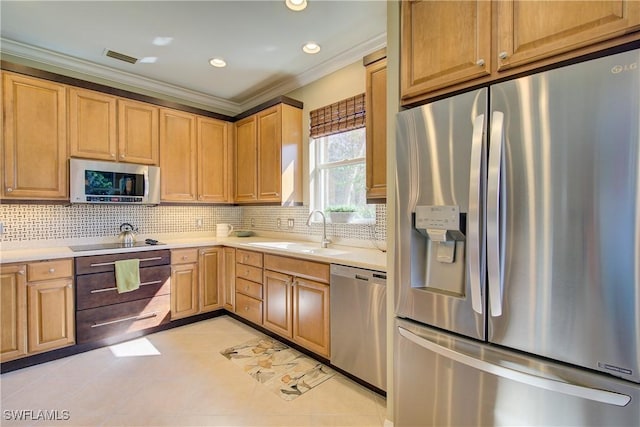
(100, 264)
(126, 319)
(246, 308)
(95, 291)
(52, 270)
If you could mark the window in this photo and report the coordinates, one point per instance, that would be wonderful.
(337, 158)
(339, 176)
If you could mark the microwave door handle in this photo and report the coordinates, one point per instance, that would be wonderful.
(597, 395)
(146, 184)
(494, 180)
(476, 186)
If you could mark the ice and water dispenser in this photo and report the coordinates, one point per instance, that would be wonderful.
(438, 249)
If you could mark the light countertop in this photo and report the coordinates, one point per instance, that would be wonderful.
(373, 259)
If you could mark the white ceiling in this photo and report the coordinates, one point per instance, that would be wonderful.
(261, 42)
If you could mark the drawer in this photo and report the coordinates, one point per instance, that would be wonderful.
(249, 308)
(49, 270)
(248, 288)
(105, 322)
(184, 256)
(102, 263)
(97, 290)
(249, 273)
(249, 257)
(298, 267)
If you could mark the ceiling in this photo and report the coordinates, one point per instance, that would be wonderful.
(261, 42)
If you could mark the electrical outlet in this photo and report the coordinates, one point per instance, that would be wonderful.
(290, 223)
(1, 227)
(279, 223)
(199, 222)
(253, 222)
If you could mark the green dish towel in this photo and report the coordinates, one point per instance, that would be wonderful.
(127, 275)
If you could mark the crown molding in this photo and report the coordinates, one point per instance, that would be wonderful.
(334, 64)
(92, 69)
(66, 62)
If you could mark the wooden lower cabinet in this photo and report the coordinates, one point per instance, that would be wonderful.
(196, 275)
(36, 315)
(229, 277)
(211, 267)
(311, 316)
(184, 290)
(295, 307)
(13, 311)
(50, 314)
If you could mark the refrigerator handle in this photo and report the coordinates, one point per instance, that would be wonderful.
(597, 395)
(476, 185)
(493, 213)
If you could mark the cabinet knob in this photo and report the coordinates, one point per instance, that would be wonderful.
(246, 308)
(503, 55)
(52, 270)
(122, 156)
(246, 288)
(21, 272)
(184, 257)
(113, 154)
(480, 62)
(9, 189)
(69, 286)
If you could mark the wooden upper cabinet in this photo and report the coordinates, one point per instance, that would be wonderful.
(246, 164)
(34, 150)
(269, 156)
(376, 130)
(214, 160)
(443, 43)
(92, 125)
(137, 132)
(528, 31)
(178, 156)
(448, 46)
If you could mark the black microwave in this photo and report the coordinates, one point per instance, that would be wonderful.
(92, 181)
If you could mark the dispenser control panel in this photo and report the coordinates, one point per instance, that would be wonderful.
(438, 217)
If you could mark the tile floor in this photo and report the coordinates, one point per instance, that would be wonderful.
(188, 383)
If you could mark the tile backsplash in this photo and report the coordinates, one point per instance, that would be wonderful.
(24, 222)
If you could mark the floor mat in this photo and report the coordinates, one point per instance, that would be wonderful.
(283, 370)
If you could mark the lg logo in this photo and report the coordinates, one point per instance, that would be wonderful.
(617, 69)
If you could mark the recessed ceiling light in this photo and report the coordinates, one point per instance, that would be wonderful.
(311, 47)
(296, 5)
(217, 62)
(149, 59)
(162, 41)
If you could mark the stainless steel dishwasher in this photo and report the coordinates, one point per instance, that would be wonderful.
(358, 323)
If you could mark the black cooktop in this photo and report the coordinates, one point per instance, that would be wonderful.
(101, 246)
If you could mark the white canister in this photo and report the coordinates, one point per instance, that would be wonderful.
(223, 230)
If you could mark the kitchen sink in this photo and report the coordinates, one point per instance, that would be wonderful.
(298, 247)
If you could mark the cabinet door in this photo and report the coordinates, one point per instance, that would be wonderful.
(532, 30)
(213, 160)
(443, 43)
(246, 163)
(178, 156)
(210, 278)
(269, 154)
(51, 314)
(92, 125)
(34, 151)
(13, 311)
(184, 290)
(277, 302)
(137, 132)
(229, 273)
(311, 316)
(376, 119)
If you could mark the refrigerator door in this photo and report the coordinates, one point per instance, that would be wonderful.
(445, 380)
(563, 215)
(441, 154)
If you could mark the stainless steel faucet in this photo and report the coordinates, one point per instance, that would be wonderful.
(325, 242)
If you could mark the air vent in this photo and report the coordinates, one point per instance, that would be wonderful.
(120, 56)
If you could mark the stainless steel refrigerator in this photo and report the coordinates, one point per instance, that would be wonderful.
(518, 252)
